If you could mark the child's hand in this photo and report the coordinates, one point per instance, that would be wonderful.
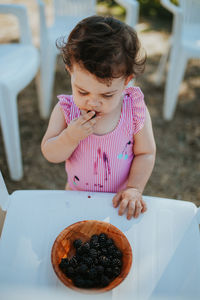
(80, 128)
(129, 198)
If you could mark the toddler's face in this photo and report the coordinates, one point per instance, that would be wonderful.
(91, 94)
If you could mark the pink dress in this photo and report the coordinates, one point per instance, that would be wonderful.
(101, 163)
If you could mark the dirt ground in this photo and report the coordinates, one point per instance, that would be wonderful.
(177, 168)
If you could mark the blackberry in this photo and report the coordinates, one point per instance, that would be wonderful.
(116, 262)
(105, 280)
(117, 254)
(109, 272)
(86, 274)
(79, 282)
(104, 261)
(93, 253)
(110, 257)
(96, 282)
(79, 251)
(94, 244)
(87, 260)
(94, 237)
(73, 262)
(82, 269)
(102, 236)
(77, 243)
(112, 249)
(102, 244)
(89, 283)
(85, 248)
(92, 273)
(95, 261)
(100, 269)
(102, 239)
(70, 272)
(104, 251)
(116, 271)
(64, 264)
(109, 242)
(76, 257)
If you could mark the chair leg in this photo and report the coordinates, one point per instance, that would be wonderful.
(158, 77)
(10, 130)
(45, 81)
(177, 65)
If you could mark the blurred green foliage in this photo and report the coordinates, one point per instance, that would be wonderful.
(153, 8)
(148, 8)
(108, 3)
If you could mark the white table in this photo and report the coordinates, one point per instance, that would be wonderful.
(35, 218)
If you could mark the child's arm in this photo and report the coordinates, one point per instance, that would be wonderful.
(141, 169)
(61, 140)
(145, 152)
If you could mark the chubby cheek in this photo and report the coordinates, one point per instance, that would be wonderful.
(114, 103)
(80, 103)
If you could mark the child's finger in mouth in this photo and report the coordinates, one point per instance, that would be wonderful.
(94, 113)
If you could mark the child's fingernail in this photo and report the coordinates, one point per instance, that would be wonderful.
(94, 115)
(91, 112)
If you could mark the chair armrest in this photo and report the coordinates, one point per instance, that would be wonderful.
(132, 11)
(177, 20)
(20, 12)
(43, 25)
(170, 6)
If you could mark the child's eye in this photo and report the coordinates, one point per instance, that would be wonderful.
(82, 93)
(107, 96)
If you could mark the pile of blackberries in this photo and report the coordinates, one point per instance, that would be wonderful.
(95, 263)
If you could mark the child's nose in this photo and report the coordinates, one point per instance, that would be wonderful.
(94, 102)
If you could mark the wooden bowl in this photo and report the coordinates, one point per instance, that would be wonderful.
(63, 247)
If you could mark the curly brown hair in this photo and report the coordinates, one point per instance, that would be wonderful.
(105, 46)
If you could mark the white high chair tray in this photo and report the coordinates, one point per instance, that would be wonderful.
(35, 218)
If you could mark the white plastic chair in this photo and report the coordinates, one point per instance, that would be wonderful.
(185, 44)
(4, 196)
(67, 13)
(19, 63)
(180, 279)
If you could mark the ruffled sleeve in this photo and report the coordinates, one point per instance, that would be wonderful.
(138, 107)
(66, 103)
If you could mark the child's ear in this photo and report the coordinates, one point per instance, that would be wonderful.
(67, 69)
(127, 79)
